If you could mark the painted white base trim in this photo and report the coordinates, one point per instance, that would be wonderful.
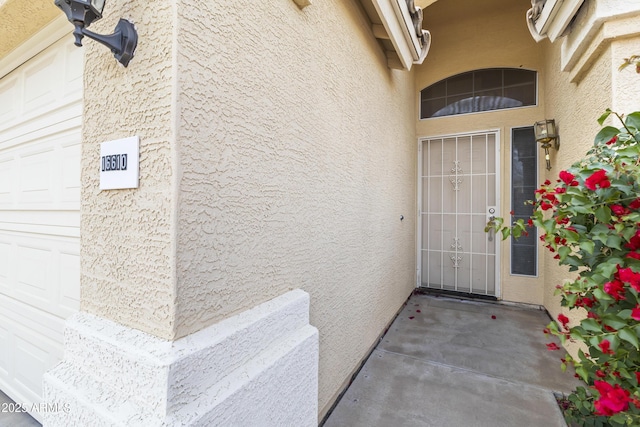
(258, 368)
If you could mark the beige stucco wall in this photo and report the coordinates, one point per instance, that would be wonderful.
(296, 160)
(577, 126)
(579, 95)
(127, 236)
(485, 35)
(21, 20)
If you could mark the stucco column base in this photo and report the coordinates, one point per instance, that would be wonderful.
(258, 368)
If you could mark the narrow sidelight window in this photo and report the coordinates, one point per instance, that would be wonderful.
(524, 166)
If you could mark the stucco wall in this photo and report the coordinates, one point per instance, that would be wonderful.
(577, 126)
(606, 38)
(127, 267)
(469, 35)
(296, 160)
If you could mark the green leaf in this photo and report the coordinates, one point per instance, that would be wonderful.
(625, 314)
(583, 373)
(603, 214)
(614, 241)
(604, 117)
(614, 321)
(590, 325)
(629, 336)
(633, 120)
(605, 134)
(587, 246)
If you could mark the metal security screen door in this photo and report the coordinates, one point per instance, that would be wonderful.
(459, 192)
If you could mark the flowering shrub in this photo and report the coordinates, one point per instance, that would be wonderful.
(590, 220)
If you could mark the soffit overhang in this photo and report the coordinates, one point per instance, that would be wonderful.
(398, 26)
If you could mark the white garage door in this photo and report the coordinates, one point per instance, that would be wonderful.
(40, 120)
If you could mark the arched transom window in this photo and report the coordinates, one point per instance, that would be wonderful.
(479, 90)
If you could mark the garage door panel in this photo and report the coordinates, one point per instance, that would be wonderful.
(34, 93)
(70, 170)
(5, 346)
(63, 223)
(40, 134)
(73, 74)
(7, 174)
(43, 271)
(34, 267)
(35, 343)
(40, 89)
(64, 119)
(8, 99)
(36, 177)
(43, 173)
(5, 265)
(69, 291)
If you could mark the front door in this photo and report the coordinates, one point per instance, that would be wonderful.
(459, 192)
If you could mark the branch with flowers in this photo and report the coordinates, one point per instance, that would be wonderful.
(590, 220)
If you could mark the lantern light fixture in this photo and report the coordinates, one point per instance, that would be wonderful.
(81, 13)
(547, 135)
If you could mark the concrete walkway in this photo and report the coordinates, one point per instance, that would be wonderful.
(456, 363)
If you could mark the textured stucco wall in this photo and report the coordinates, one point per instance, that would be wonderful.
(127, 267)
(21, 19)
(576, 108)
(296, 160)
(469, 35)
(598, 85)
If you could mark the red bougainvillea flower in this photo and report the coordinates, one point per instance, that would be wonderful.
(552, 346)
(635, 313)
(638, 377)
(564, 320)
(551, 197)
(560, 190)
(635, 204)
(619, 210)
(568, 178)
(634, 242)
(605, 346)
(613, 398)
(612, 140)
(600, 374)
(615, 289)
(597, 179)
(634, 255)
(628, 276)
(546, 206)
(530, 222)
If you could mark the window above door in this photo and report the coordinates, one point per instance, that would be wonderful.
(479, 90)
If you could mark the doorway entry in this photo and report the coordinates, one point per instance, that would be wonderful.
(458, 192)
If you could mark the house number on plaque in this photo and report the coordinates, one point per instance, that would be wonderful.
(114, 162)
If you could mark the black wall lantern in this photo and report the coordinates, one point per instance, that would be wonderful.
(81, 13)
(546, 133)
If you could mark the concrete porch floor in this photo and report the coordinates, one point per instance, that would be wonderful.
(451, 363)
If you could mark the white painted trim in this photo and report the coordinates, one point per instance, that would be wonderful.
(54, 31)
(563, 17)
(554, 19)
(595, 28)
(397, 22)
(259, 367)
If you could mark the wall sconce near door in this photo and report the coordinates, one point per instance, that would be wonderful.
(81, 13)
(546, 133)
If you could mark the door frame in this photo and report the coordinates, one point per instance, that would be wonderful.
(498, 133)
